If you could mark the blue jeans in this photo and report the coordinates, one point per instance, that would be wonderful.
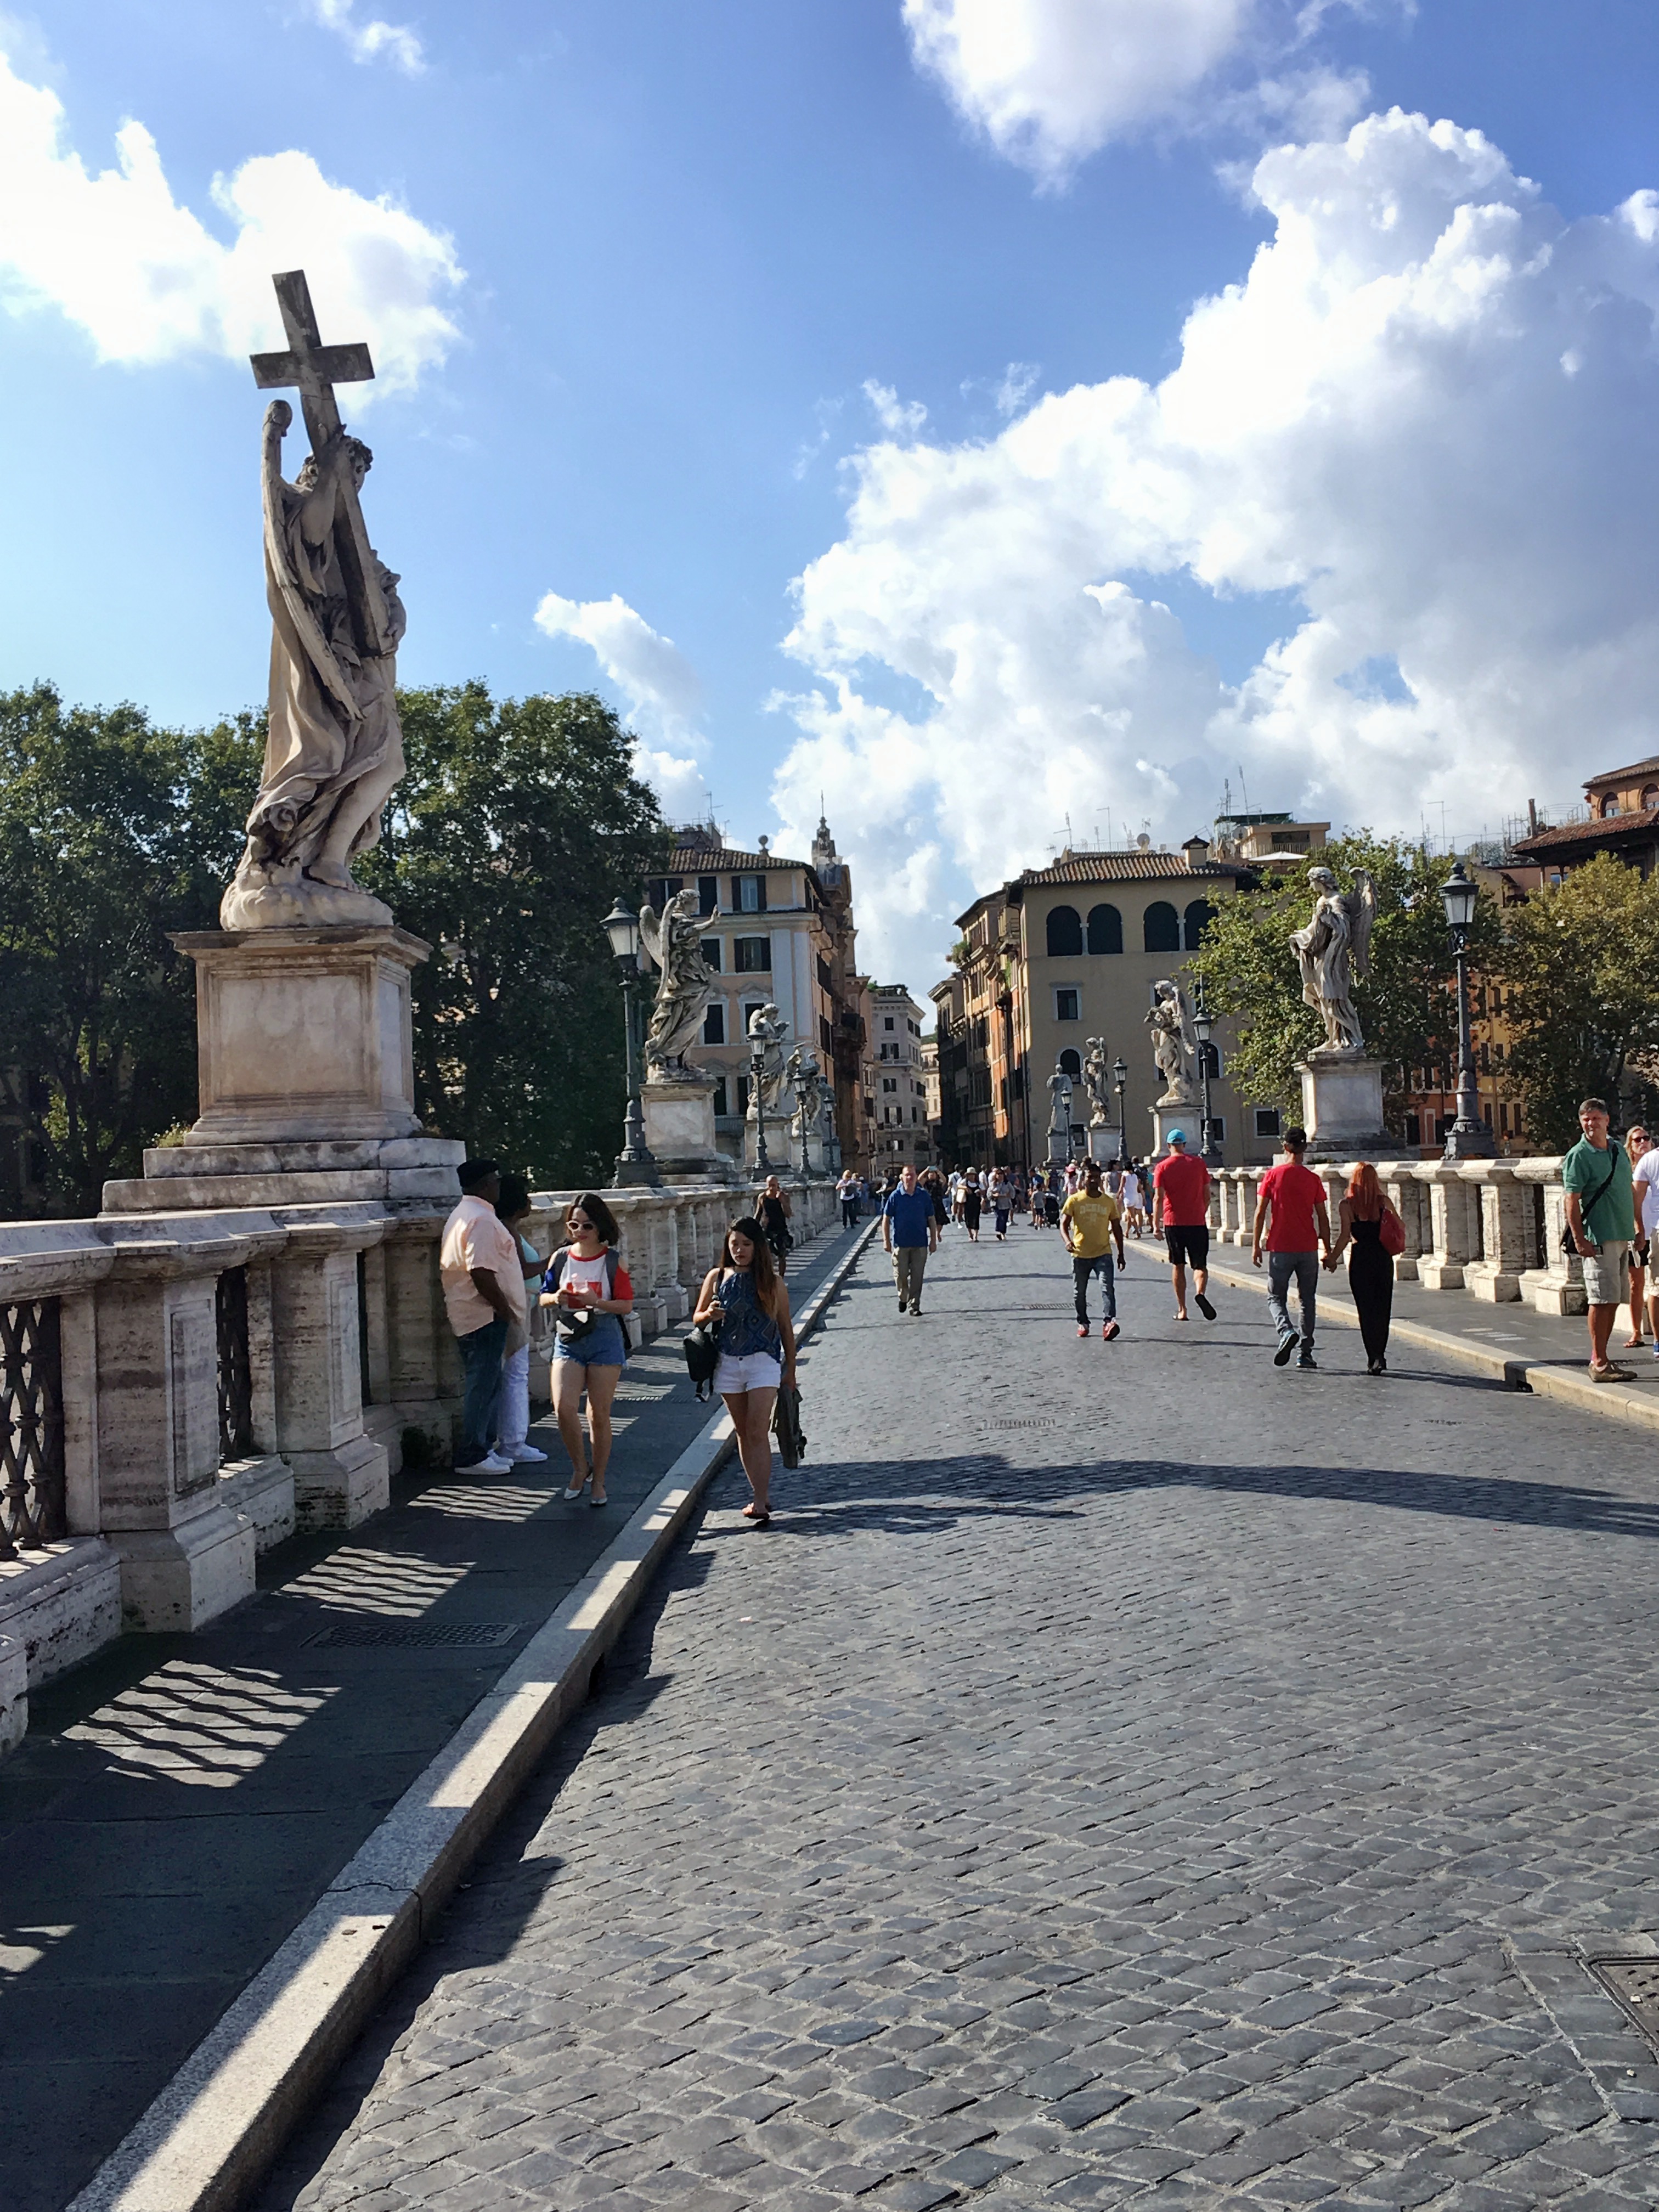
(1101, 1265)
(1303, 1268)
(481, 1359)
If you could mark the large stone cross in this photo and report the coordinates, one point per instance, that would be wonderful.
(315, 369)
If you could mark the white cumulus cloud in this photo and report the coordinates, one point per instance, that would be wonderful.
(147, 280)
(1428, 413)
(661, 688)
(375, 41)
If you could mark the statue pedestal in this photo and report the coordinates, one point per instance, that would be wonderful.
(1183, 1113)
(679, 1129)
(1103, 1143)
(1342, 1108)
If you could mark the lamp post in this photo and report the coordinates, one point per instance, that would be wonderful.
(1120, 1077)
(634, 1163)
(1468, 1138)
(1208, 1148)
(756, 1069)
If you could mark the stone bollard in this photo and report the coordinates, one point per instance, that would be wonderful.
(1508, 1247)
(422, 1360)
(1555, 1284)
(1410, 1202)
(341, 1473)
(1455, 1225)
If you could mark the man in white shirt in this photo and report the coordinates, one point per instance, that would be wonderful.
(1645, 1179)
(483, 1282)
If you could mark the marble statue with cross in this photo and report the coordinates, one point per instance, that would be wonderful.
(334, 751)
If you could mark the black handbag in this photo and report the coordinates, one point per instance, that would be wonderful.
(787, 1428)
(702, 1347)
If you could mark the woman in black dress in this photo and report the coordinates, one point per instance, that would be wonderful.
(774, 1210)
(973, 1198)
(1371, 1265)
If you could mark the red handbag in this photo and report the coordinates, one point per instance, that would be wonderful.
(1392, 1232)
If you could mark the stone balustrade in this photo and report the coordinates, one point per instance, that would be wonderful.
(183, 1389)
(1491, 1228)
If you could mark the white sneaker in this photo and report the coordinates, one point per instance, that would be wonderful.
(525, 1456)
(488, 1465)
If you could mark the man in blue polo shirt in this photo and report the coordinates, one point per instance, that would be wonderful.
(910, 1233)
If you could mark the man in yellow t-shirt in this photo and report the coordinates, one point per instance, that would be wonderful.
(1090, 1221)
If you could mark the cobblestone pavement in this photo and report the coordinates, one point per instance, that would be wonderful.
(1124, 1774)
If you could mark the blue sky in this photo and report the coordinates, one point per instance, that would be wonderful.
(679, 307)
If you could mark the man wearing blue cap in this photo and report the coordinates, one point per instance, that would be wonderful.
(1181, 1212)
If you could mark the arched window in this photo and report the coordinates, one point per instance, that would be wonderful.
(1198, 917)
(1071, 1064)
(1161, 930)
(1609, 807)
(1064, 933)
(1649, 796)
(1105, 929)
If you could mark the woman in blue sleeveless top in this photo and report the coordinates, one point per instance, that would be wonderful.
(757, 1349)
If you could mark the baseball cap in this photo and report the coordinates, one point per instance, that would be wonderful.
(1178, 1137)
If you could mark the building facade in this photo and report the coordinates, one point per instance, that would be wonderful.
(1061, 955)
(896, 1074)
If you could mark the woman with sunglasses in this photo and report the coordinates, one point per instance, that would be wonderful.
(590, 1293)
(757, 1349)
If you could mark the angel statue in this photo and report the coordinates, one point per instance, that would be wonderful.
(1332, 949)
(807, 1076)
(673, 943)
(1060, 1114)
(767, 1031)
(1098, 1082)
(1175, 1043)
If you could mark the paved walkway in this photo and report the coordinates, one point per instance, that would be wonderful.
(181, 1803)
(1124, 1774)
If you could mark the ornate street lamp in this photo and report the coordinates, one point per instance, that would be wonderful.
(1202, 1026)
(1468, 1138)
(1120, 1077)
(634, 1163)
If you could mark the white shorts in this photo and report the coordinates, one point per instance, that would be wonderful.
(756, 1371)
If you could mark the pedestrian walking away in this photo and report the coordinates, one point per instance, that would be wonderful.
(1360, 1222)
(483, 1295)
(973, 1198)
(513, 1442)
(909, 1231)
(1090, 1221)
(1180, 1214)
(757, 1350)
(1596, 1176)
(775, 1212)
(1290, 1206)
(1645, 1198)
(1638, 1146)
(588, 1291)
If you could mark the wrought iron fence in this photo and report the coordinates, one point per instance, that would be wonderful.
(235, 1378)
(32, 1481)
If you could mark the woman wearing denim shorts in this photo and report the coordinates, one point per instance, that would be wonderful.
(757, 1349)
(591, 1359)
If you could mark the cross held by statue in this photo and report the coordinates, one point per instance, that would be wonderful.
(314, 369)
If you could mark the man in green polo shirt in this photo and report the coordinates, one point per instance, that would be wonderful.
(1602, 1215)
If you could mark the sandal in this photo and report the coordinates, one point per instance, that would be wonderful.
(577, 1488)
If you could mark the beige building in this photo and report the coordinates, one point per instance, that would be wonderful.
(1063, 954)
(780, 931)
(896, 1079)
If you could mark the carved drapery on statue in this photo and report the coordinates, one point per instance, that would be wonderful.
(1098, 1082)
(768, 1030)
(673, 943)
(334, 751)
(1175, 1043)
(1332, 949)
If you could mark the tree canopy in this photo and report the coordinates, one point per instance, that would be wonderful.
(1405, 1008)
(519, 823)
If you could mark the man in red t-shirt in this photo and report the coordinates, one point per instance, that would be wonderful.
(1180, 1214)
(1293, 1196)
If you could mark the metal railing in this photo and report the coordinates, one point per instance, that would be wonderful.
(32, 1473)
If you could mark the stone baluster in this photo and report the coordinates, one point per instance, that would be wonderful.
(422, 1361)
(1454, 1224)
(186, 1554)
(341, 1473)
(1556, 1284)
(1508, 1242)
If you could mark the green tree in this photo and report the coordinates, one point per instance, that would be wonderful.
(1580, 962)
(518, 824)
(113, 833)
(1406, 1007)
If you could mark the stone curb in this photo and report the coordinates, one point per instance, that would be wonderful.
(1565, 1380)
(208, 2138)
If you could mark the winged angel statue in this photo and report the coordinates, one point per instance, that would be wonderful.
(1334, 949)
(673, 943)
(1175, 1042)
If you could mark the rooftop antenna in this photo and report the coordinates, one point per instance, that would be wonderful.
(1243, 791)
(1068, 833)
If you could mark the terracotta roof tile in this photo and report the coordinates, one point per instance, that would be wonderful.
(1618, 774)
(1130, 867)
(703, 860)
(1587, 833)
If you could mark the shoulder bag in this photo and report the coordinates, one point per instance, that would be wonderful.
(1586, 1205)
(572, 1327)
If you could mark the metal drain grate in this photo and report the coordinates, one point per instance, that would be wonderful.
(1027, 1421)
(416, 1635)
(1635, 1983)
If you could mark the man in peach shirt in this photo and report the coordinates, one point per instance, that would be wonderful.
(483, 1294)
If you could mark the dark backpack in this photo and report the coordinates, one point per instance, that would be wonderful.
(702, 1354)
